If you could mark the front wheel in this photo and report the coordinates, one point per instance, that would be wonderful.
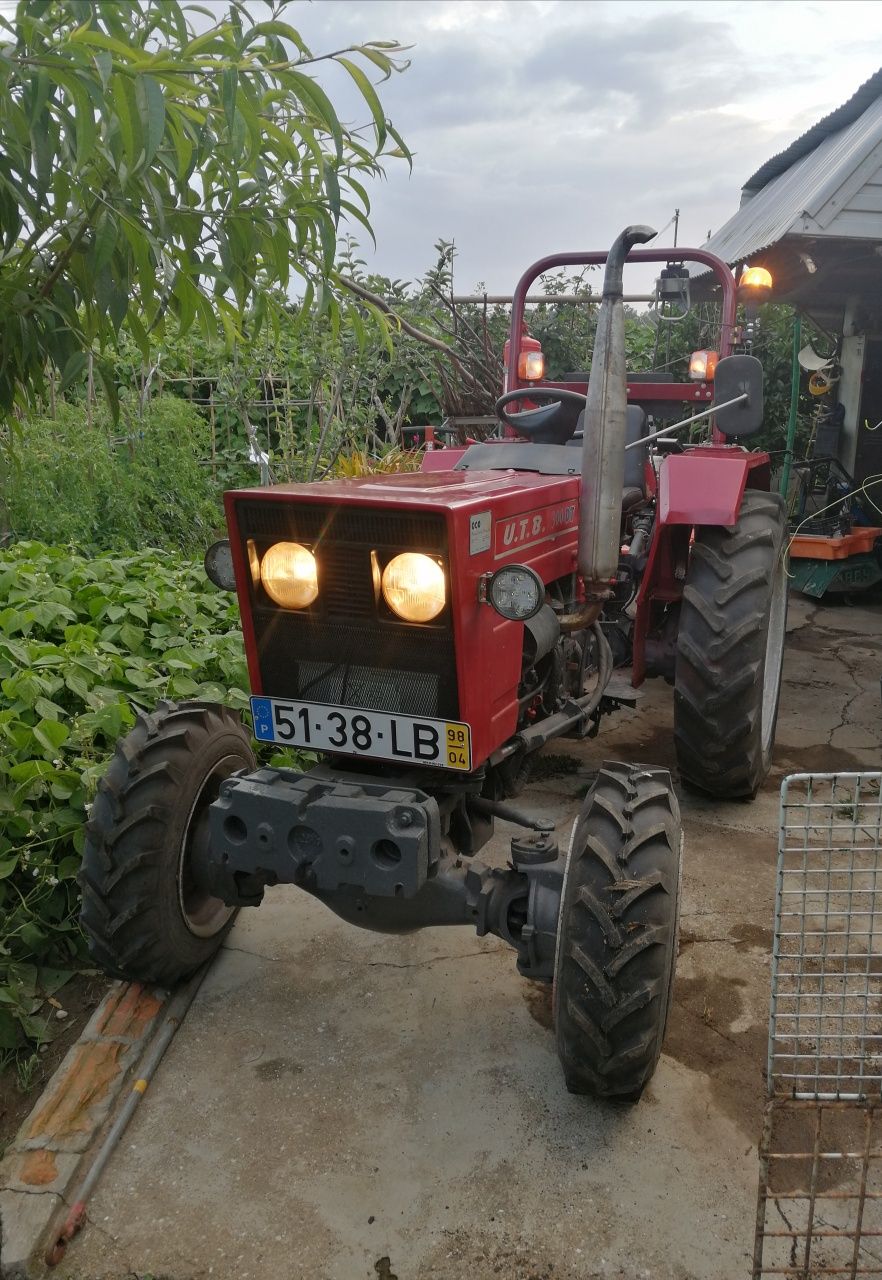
(730, 650)
(617, 933)
(144, 912)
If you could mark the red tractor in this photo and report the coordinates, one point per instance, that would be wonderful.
(424, 634)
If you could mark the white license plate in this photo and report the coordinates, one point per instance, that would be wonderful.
(446, 744)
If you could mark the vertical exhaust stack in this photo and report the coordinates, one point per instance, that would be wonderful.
(603, 455)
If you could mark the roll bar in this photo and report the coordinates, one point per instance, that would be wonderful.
(723, 274)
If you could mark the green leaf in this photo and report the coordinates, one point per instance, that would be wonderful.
(105, 240)
(51, 980)
(151, 103)
(11, 1034)
(87, 132)
(49, 710)
(369, 93)
(122, 94)
(104, 63)
(131, 637)
(51, 734)
(314, 97)
(228, 84)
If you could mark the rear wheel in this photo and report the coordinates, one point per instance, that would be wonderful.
(145, 915)
(730, 650)
(617, 934)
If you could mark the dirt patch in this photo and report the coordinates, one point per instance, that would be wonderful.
(817, 759)
(747, 936)
(697, 1037)
(652, 745)
(829, 641)
(275, 1068)
(545, 765)
(22, 1083)
(537, 996)
(731, 843)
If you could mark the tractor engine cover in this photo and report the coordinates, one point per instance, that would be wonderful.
(277, 826)
(343, 671)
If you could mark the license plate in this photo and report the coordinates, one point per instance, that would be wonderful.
(351, 731)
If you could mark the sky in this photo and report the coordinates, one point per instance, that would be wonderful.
(545, 125)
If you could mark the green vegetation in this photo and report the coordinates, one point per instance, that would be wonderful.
(155, 172)
(84, 643)
(78, 483)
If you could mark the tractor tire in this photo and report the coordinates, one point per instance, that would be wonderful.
(144, 916)
(617, 933)
(730, 650)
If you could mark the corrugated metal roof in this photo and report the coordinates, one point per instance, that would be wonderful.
(836, 120)
(803, 187)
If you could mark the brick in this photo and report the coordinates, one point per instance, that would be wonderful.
(25, 1218)
(39, 1169)
(76, 1102)
(127, 1013)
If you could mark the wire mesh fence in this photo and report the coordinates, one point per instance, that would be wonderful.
(825, 1036)
(819, 1209)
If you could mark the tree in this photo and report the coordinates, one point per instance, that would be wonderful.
(151, 170)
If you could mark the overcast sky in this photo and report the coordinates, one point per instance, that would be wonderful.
(540, 125)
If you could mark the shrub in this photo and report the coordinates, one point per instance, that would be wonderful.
(73, 482)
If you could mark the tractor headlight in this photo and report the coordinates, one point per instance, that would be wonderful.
(515, 592)
(413, 587)
(289, 575)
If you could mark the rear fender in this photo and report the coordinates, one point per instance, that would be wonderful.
(707, 486)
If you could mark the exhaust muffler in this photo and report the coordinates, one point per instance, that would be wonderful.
(603, 453)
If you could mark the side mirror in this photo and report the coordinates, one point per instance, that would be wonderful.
(739, 376)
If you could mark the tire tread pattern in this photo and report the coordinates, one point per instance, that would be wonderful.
(127, 858)
(618, 933)
(721, 649)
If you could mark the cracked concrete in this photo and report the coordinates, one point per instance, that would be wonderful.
(324, 1117)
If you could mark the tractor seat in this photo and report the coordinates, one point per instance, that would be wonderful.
(635, 429)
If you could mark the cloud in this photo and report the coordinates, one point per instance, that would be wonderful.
(549, 124)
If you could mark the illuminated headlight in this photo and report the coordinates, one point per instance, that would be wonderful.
(516, 592)
(289, 575)
(413, 587)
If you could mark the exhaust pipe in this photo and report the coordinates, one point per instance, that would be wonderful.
(603, 454)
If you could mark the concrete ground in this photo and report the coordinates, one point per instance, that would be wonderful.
(341, 1106)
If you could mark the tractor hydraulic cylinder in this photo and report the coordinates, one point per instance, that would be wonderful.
(603, 455)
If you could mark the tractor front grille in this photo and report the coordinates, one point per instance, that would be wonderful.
(347, 649)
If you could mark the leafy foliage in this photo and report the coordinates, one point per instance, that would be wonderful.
(77, 483)
(148, 170)
(84, 643)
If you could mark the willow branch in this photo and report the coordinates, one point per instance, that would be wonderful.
(382, 305)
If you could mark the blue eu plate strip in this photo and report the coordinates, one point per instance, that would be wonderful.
(262, 711)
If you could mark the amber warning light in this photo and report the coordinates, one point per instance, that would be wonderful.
(531, 366)
(755, 284)
(703, 365)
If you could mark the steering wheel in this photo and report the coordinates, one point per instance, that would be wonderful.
(551, 423)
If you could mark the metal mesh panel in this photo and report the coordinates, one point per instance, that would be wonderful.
(826, 1021)
(819, 1208)
(820, 1203)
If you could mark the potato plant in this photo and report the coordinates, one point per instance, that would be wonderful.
(84, 644)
